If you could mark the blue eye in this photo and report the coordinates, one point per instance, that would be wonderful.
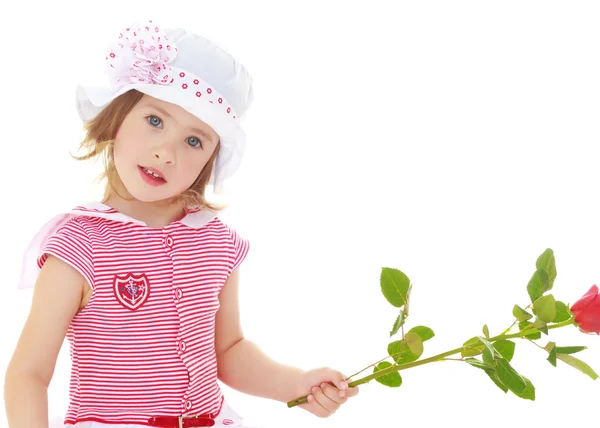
(197, 142)
(153, 123)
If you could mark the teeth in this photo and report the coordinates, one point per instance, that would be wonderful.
(151, 173)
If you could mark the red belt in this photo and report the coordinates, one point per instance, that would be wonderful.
(181, 421)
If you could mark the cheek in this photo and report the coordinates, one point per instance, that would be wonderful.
(125, 148)
(191, 167)
(120, 155)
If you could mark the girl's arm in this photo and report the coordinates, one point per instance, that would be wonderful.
(241, 363)
(56, 299)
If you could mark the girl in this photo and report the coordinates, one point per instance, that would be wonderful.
(145, 283)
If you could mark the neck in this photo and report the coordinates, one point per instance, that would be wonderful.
(156, 214)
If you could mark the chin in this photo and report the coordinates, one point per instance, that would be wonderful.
(147, 199)
(141, 194)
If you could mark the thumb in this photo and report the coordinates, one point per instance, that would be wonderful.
(338, 379)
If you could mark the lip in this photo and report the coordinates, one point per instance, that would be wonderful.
(154, 170)
(149, 179)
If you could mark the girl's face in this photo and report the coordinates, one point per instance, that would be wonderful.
(160, 149)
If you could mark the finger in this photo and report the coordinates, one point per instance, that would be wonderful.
(351, 391)
(339, 380)
(316, 408)
(334, 394)
(323, 400)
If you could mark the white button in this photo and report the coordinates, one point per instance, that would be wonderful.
(188, 405)
(169, 242)
(182, 346)
(178, 293)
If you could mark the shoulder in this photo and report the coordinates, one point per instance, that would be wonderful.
(74, 228)
(76, 223)
(79, 218)
(238, 246)
(71, 243)
(218, 224)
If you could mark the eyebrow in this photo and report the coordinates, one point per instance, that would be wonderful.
(199, 131)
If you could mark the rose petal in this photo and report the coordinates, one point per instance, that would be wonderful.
(585, 300)
(589, 318)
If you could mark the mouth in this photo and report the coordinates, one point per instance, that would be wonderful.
(152, 175)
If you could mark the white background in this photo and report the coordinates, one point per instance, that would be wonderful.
(455, 141)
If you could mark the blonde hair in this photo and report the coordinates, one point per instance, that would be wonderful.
(99, 142)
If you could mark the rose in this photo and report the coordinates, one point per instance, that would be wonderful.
(490, 354)
(587, 311)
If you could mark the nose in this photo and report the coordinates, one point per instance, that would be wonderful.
(165, 153)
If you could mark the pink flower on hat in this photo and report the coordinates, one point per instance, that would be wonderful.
(140, 58)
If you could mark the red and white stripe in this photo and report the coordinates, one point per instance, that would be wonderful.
(157, 359)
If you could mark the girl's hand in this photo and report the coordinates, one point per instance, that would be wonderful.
(326, 390)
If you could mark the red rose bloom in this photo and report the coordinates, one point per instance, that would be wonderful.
(587, 311)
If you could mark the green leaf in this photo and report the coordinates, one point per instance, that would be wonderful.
(489, 370)
(425, 332)
(531, 333)
(395, 286)
(547, 262)
(545, 308)
(486, 331)
(488, 356)
(578, 364)
(538, 284)
(478, 363)
(521, 314)
(398, 323)
(397, 349)
(488, 351)
(541, 326)
(414, 342)
(506, 348)
(569, 349)
(562, 312)
(494, 376)
(487, 344)
(509, 376)
(472, 347)
(551, 348)
(401, 353)
(393, 380)
(529, 391)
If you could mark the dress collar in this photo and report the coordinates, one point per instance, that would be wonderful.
(195, 219)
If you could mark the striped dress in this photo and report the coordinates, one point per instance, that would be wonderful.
(144, 344)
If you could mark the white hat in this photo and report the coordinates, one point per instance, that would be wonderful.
(184, 69)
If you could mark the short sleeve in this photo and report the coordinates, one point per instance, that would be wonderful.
(71, 244)
(240, 248)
